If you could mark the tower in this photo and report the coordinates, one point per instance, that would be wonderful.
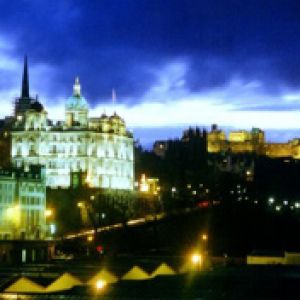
(24, 101)
(25, 81)
(76, 113)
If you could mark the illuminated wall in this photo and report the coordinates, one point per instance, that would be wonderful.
(216, 141)
(22, 204)
(100, 147)
(251, 142)
(279, 150)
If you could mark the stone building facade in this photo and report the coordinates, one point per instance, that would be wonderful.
(22, 204)
(252, 141)
(100, 148)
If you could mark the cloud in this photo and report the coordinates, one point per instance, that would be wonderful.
(122, 45)
(170, 103)
(172, 63)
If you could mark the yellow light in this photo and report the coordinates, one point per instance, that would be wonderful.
(144, 186)
(100, 284)
(90, 238)
(204, 237)
(13, 214)
(48, 212)
(196, 259)
(80, 204)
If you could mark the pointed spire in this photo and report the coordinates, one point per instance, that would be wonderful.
(113, 96)
(76, 87)
(25, 80)
(114, 99)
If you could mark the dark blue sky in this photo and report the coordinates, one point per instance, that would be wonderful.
(173, 63)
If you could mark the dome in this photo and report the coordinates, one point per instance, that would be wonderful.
(104, 118)
(116, 118)
(77, 102)
(37, 106)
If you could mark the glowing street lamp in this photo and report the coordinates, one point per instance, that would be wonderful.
(90, 238)
(80, 204)
(204, 237)
(100, 284)
(48, 213)
(13, 214)
(271, 200)
(196, 259)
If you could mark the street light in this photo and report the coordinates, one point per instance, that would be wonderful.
(196, 260)
(100, 284)
(204, 237)
(271, 200)
(48, 213)
(80, 204)
(90, 238)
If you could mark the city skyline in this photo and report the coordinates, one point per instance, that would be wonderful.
(172, 65)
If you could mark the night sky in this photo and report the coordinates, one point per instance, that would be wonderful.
(173, 63)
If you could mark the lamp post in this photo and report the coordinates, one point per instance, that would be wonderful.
(51, 228)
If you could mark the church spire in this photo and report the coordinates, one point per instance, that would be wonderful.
(113, 97)
(25, 80)
(76, 87)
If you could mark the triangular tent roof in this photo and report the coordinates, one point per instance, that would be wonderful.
(65, 282)
(136, 273)
(105, 275)
(25, 285)
(163, 269)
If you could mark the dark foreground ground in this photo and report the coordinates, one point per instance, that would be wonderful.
(238, 282)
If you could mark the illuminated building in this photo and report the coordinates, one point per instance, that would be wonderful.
(216, 140)
(241, 141)
(22, 204)
(101, 148)
(237, 142)
(253, 141)
(149, 186)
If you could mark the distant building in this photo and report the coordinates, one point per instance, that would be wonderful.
(271, 258)
(22, 204)
(241, 141)
(148, 186)
(216, 140)
(252, 141)
(100, 148)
